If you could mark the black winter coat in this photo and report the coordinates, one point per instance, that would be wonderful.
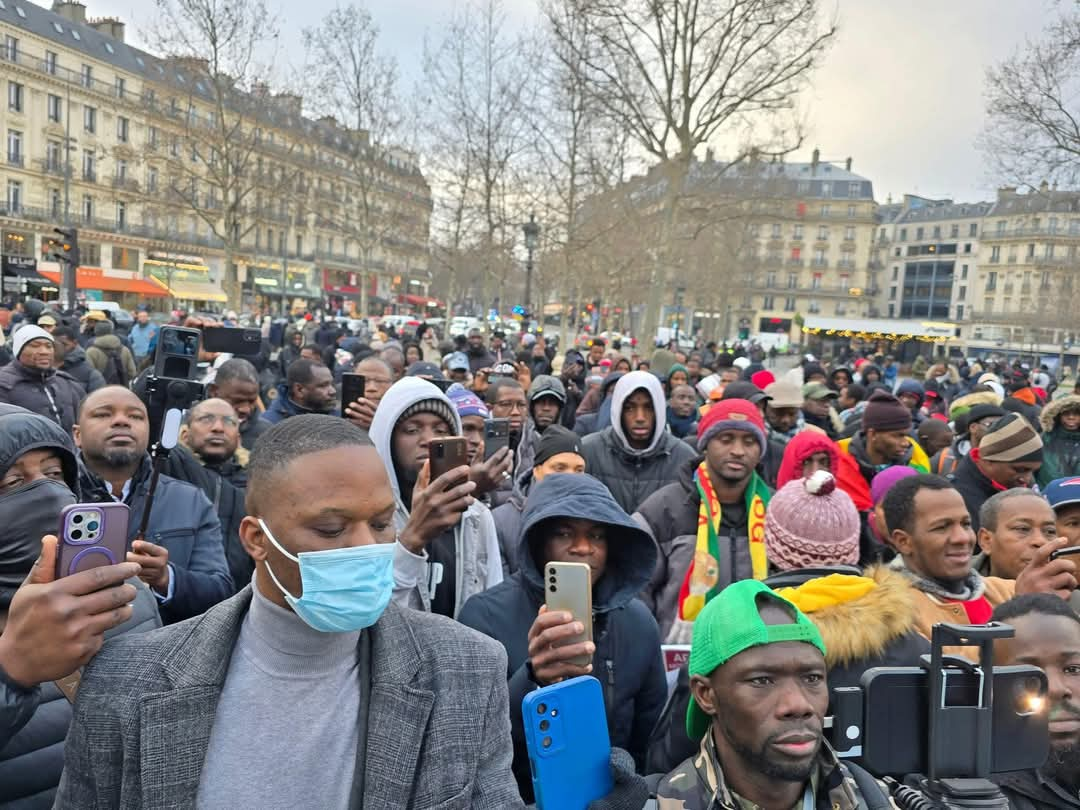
(633, 477)
(76, 364)
(627, 661)
(51, 393)
(1030, 790)
(976, 488)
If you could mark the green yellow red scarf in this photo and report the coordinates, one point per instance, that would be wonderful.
(702, 577)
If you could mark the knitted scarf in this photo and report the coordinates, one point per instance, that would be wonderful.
(700, 584)
(973, 583)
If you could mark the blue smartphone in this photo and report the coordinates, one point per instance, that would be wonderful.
(566, 735)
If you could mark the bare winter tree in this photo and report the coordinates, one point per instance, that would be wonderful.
(1032, 130)
(681, 74)
(352, 79)
(219, 113)
(474, 127)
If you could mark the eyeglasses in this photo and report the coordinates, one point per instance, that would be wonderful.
(209, 419)
(511, 405)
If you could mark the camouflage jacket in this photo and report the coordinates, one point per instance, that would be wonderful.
(698, 784)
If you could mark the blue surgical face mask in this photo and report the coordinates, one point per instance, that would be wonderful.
(344, 589)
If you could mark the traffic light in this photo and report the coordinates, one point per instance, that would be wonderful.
(66, 248)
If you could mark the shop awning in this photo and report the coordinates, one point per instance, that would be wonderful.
(420, 300)
(29, 274)
(197, 291)
(95, 278)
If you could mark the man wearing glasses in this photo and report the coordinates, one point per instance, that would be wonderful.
(506, 400)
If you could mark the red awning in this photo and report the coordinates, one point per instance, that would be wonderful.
(420, 300)
(94, 278)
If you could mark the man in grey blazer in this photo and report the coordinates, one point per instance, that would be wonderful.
(306, 689)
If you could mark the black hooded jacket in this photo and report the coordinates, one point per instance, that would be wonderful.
(52, 393)
(627, 661)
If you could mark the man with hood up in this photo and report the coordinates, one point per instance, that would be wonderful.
(447, 547)
(573, 518)
(636, 455)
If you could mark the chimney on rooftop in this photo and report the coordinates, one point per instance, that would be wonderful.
(848, 164)
(109, 26)
(1044, 187)
(815, 160)
(70, 10)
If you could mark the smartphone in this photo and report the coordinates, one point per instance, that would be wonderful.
(566, 735)
(568, 587)
(496, 436)
(177, 353)
(896, 717)
(352, 389)
(446, 454)
(1064, 552)
(91, 535)
(232, 339)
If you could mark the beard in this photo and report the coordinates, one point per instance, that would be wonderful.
(1063, 766)
(116, 458)
(759, 761)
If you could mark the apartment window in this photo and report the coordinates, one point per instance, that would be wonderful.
(849, 233)
(767, 302)
(959, 312)
(121, 129)
(50, 62)
(54, 202)
(822, 232)
(152, 137)
(851, 213)
(52, 156)
(152, 179)
(991, 281)
(973, 229)
(903, 234)
(895, 273)
(961, 293)
(299, 244)
(963, 272)
(815, 282)
(826, 210)
(954, 231)
(11, 48)
(14, 196)
(792, 280)
(1031, 251)
(87, 75)
(281, 243)
(258, 239)
(87, 207)
(1048, 251)
(937, 231)
(89, 166)
(770, 280)
(918, 234)
(269, 238)
(1012, 255)
(54, 105)
(174, 146)
(15, 97)
(819, 260)
(967, 247)
(330, 244)
(121, 170)
(995, 253)
(1001, 225)
(121, 215)
(1044, 280)
(776, 230)
(892, 310)
(853, 189)
(1074, 226)
(90, 119)
(798, 231)
(841, 308)
(14, 147)
(121, 86)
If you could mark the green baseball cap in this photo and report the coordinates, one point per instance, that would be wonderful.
(731, 623)
(818, 390)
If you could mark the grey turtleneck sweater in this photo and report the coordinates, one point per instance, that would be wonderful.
(285, 731)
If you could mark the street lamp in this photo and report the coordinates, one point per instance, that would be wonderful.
(532, 233)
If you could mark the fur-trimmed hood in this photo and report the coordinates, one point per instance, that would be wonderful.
(1052, 410)
(865, 625)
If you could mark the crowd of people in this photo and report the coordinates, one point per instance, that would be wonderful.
(304, 581)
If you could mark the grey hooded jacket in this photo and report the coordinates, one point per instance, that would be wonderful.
(479, 565)
(633, 475)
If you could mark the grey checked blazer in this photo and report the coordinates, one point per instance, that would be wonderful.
(438, 729)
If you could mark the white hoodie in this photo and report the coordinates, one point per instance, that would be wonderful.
(476, 543)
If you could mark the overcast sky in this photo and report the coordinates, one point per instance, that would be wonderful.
(901, 90)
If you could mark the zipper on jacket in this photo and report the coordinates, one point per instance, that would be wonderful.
(609, 687)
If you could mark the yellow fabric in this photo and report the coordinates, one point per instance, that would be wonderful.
(835, 589)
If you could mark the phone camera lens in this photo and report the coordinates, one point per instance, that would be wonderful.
(546, 742)
(545, 725)
(551, 571)
(552, 588)
(541, 708)
(77, 519)
(553, 580)
(92, 526)
(76, 534)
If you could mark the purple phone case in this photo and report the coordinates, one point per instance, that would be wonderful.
(91, 535)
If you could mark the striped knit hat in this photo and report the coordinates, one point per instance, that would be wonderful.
(1011, 438)
(435, 406)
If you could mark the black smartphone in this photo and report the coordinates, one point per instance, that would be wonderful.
(231, 339)
(177, 353)
(496, 436)
(352, 389)
(447, 453)
(1064, 552)
(896, 715)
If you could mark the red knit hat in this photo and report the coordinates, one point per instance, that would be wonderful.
(731, 414)
(810, 523)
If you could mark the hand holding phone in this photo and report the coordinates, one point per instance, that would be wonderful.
(446, 454)
(1047, 574)
(352, 389)
(91, 535)
(437, 505)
